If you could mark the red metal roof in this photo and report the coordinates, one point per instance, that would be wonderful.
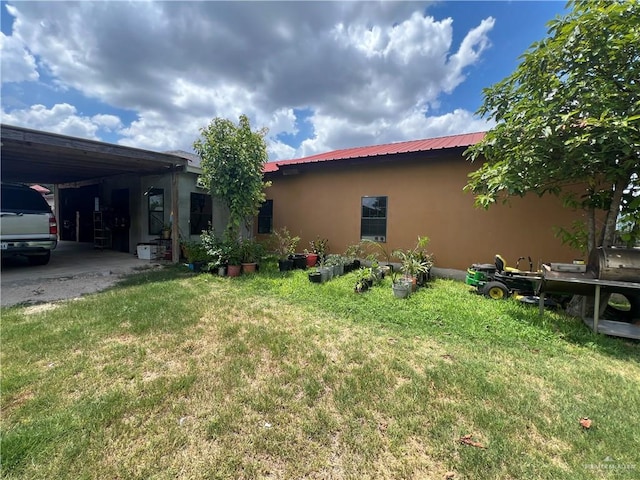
(440, 143)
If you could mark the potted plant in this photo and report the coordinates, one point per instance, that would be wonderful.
(415, 262)
(166, 231)
(376, 251)
(315, 277)
(234, 258)
(312, 258)
(252, 252)
(284, 245)
(217, 249)
(319, 246)
(400, 286)
(353, 254)
(364, 280)
(196, 255)
(336, 262)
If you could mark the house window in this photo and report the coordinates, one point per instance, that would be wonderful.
(373, 221)
(265, 217)
(156, 210)
(200, 214)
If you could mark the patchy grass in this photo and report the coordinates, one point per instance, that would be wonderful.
(173, 375)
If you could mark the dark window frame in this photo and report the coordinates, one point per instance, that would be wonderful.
(204, 211)
(265, 217)
(373, 218)
(155, 210)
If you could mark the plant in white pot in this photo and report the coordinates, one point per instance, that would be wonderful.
(400, 285)
(414, 262)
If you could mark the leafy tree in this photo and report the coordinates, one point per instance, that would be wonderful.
(568, 118)
(233, 158)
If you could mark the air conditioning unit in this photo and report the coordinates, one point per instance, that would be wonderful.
(375, 238)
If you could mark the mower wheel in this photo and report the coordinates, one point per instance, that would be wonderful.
(496, 290)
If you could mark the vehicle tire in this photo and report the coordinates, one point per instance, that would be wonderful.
(39, 259)
(496, 290)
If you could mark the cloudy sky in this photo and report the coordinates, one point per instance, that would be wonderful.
(319, 75)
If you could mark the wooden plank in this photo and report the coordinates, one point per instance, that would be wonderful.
(615, 329)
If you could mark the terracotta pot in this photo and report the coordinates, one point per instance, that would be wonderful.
(233, 270)
(249, 267)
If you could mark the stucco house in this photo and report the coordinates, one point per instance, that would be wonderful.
(389, 193)
(393, 193)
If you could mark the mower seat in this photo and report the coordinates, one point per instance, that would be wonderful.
(501, 266)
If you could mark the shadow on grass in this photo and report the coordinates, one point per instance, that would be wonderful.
(573, 330)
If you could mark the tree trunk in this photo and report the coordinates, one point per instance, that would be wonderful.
(591, 230)
(607, 235)
(609, 229)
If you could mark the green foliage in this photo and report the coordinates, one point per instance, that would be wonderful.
(251, 250)
(576, 236)
(375, 250)
(195, 251)
(416, 260)
(569, 115)
(216, 247)
(355, 251)
(283, 243)
(320, 246)
(233, 158)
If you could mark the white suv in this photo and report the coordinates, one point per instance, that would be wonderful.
(27, 225)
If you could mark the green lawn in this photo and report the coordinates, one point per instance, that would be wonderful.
(179, 376)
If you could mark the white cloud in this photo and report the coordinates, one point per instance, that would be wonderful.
(18, 65)
(109, 123)
(280, 151)
(335, 133)
(369, 71)
(61, 118)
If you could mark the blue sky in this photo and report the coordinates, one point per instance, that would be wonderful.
(319, 75)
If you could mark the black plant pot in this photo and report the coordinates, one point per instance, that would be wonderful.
(315, 277)
(356, 264)
(299, 261)
(285, 265)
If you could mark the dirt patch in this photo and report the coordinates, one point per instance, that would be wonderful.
(39, 291)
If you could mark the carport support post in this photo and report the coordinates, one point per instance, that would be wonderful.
(175, 222)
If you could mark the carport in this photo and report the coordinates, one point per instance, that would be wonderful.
(31, 156)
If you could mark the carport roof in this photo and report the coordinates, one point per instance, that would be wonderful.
(32, 156)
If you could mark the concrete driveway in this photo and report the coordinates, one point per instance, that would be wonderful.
(75, 269)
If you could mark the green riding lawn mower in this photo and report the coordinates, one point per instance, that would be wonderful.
(498, 281)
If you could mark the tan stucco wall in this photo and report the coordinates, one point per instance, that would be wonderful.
(424, 198)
